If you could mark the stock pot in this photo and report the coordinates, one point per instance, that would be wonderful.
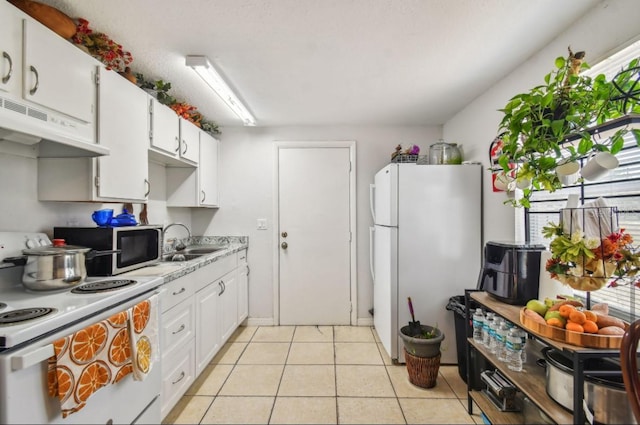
(605, 396)
(56, 266)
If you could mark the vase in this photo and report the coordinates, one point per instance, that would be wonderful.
(422, 347)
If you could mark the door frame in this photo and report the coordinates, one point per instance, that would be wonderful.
(352, 220)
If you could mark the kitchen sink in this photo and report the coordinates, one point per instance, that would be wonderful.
(180, 257)
(201, 249)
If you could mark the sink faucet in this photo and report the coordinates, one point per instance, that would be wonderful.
(177, 246)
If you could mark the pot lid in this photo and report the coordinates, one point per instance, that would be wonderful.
(59, 247)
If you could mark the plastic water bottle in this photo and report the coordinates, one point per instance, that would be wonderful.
(514, 350)
(478, 323)
(501, 337)
(486, 329)
(493, 335)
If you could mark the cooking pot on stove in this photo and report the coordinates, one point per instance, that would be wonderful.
(605, 396)
(57, 266)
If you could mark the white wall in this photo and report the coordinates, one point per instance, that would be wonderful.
(608, 27)
(246, 194)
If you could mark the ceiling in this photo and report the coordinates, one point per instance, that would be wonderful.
(332, 62)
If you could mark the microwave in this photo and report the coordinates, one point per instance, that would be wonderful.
(137, 246)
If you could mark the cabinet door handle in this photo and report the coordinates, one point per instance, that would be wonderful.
(204, 196)
(179, 379)
(180, 329)
(222, 287)
(180, 291)
(146, 182)
(178, 146)
(248, 270)
(184, 142)
(35, 88)
(7, 77)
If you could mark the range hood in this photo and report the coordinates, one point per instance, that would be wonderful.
(51, 135)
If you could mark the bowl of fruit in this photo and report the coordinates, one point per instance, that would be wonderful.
(568, 321)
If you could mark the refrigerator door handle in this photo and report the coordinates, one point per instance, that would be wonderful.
(371, 236)
(372, 189)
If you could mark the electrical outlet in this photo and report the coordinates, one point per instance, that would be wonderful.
(262, 224)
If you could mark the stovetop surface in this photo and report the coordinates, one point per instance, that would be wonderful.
(69, 307)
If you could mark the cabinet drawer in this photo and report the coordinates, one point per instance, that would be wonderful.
(214, 271)
(178, 324)
(175, 292)
(178, 373)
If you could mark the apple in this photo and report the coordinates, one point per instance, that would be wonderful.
(537, 306)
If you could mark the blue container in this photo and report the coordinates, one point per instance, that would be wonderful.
(102, 217)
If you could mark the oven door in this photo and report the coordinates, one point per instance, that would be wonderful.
(139, 246)
(24, 395)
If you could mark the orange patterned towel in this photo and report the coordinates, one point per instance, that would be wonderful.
(143, 332)
(88, 360)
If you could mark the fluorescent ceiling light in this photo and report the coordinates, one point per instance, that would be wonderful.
(207, 72)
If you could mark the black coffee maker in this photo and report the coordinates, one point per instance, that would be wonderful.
(511, 271)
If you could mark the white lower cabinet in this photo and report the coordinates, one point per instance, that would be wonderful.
(200, 311)
(243, 286)
(208, 341)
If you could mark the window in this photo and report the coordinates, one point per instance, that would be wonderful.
(621, 189)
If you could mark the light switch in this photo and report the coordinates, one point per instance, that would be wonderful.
(262, 224)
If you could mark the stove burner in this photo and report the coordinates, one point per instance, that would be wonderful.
(102, 286)
(22, 315)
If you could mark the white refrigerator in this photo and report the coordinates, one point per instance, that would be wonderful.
(426, 244)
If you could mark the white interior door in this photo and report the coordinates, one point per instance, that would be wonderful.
(314, 241)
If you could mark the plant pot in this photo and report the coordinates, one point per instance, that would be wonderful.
(422, 347)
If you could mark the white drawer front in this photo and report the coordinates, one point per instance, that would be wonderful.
(214, 271)
(178, 373)
(178, 326)
(176, 291)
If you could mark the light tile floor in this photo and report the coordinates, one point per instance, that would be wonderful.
(316, 375)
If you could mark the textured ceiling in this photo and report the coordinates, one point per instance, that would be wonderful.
(332, 62)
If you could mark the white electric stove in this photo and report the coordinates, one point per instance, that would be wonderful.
(31, 321)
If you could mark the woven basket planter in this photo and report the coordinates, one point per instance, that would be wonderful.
(423, 371)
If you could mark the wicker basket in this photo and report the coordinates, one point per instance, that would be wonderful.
(423, 371)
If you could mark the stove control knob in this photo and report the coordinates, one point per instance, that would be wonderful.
(43, 242)
(31, 243)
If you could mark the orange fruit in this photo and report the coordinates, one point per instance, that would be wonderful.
(575, 327)
(565, 310)
(118, 320)
(590, 327)
(93, 377)
(554, 321)
(143, 357)
(65, 382)
(124, 371)
(590, 315)
(120, 349)
(141, 314)
(88, 342)
(577, 316)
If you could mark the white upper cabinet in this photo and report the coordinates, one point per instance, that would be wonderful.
(10, 48)
(58, 75)
(208, 171)
(196, 187)
(164, 131)
(189, 141)
(122, 126)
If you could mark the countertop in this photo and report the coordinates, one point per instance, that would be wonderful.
(174, 270)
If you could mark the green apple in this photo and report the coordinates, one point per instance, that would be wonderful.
(537, 306)
(555, 314)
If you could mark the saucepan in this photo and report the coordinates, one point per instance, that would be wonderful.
(56, 266)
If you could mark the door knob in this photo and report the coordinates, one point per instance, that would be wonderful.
(284, 245)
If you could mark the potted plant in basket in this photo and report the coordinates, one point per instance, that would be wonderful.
(422, 351)
(553, 122)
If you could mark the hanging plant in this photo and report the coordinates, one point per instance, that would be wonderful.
(537, 124)
(101, 47)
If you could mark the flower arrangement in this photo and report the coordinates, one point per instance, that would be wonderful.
(588, 263)
(100, 46)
